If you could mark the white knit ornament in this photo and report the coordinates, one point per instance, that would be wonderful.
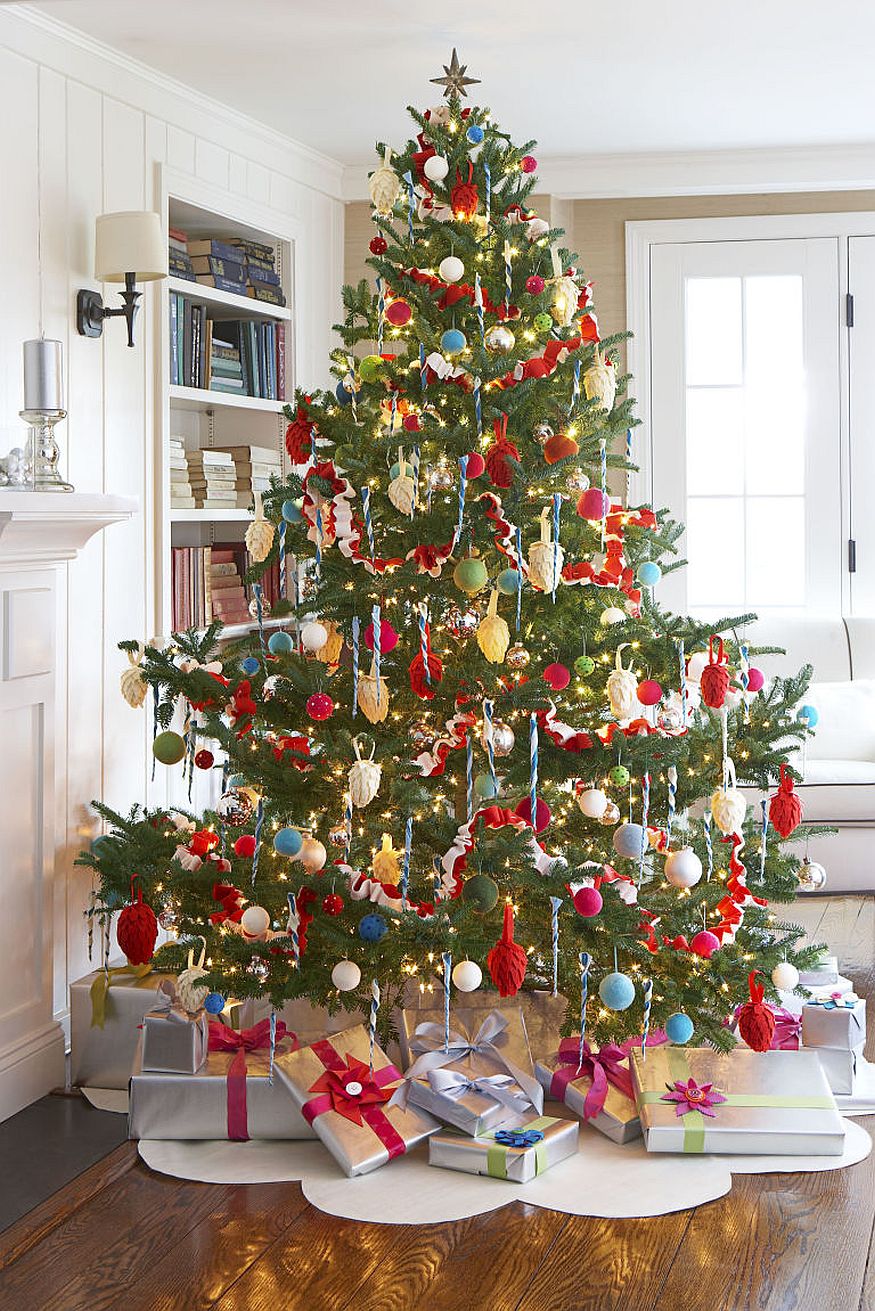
(728, 805)
(364, 778)
(402, 490)
(600, 382)
(384, 187)
(565, 296)
(493, 634)
(191, 994)
(133, 685)
(374, 705)
(544, 556)
(622, 688)
(259, 534)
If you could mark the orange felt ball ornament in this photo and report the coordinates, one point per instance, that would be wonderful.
(785, 808)
(559, 447)
(137, 927)
(756, 1020)
(507, 960)
(714, 683)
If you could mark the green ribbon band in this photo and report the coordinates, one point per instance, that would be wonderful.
(102, 984)
(497, 1155)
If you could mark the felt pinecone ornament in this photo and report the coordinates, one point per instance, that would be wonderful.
(756, 1020)
(493, 634)
(259, 534)
(499, 456)
(190, 992)
(507, 960)
(714, 683)
(137, 927)
(464, 196)
(298, 437)
(785, 808)
(364, 777)
(384, 186)
(133, 685)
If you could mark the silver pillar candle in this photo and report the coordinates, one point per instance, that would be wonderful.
(43, 375)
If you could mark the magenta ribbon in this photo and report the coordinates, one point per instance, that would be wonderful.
(602, 1067)
(225, 1039)
(788, 1030)
(373, 1117)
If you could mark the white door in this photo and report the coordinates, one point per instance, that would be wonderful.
(745, 423)
(861, 355)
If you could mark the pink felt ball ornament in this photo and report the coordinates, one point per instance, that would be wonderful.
(535, 284)
(388, 637)
(705, 943)
(587, 902)
(755, 679)
(320, 706)
(593, 504)
(398, 313)
(649, 692)
(557, 677)
(528, 163)
(543, 813)
(475, 466)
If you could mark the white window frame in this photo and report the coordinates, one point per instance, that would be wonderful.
(643, 236)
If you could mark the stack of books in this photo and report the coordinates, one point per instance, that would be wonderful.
(253, 468)
(181, 497)
(212, 478)
(179, 261)
(260, 346)
(190, 342)
(218, 264)
(207, 584)
(259, 264)
(226, 368)
(227, 569)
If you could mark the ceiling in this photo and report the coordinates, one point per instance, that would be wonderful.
(581, 77)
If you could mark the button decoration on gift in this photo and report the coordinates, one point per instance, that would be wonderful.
(691, 1096)
(836, 1001)
(518, 1137)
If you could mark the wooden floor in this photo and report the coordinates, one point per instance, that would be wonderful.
(122, 1237)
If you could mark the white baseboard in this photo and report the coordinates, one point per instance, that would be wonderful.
(31, 1067)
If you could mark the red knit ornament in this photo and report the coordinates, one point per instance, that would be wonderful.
(418, 681)
(464, 196)
(785, 808)
(298, 440)
(507, 961)
(715, 676)
(756, 1021)
(499, 455)
(137, 927)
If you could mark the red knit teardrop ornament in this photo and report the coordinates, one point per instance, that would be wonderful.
(507, 961)
(298, 440)
(756, 1021)
(137, 928)
(715, 676)
(785, 808)
(425, 686)
(464, 196)
(500, 454)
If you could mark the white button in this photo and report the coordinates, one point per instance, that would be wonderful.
(354, 1088)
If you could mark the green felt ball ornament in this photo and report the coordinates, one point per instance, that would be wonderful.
(484, 788)
(584, 665)
(481, 892)
(370, 368)
(619, 776)
(470, 575)
(168, 748)
(543, 322)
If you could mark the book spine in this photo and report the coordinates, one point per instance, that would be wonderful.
(281, 361)
(259, 273)
(222, 284)
(186, 342)
(174, 343)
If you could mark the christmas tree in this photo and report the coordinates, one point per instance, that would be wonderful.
(479, 743)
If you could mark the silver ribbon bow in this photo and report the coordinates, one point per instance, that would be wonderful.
(437, 1049)
(498, 1087)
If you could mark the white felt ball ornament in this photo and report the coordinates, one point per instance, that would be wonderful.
(313, 636)
(622, 688)
(683, 868)
(346, 975)
(785, 976)
(696, 663)
(629, 839)
(613, 615)
(313, 855)
(436, 168)
(593, 803)
(255, 921)
(451, 269)
(467, 976)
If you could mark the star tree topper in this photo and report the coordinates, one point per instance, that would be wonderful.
(455, 81)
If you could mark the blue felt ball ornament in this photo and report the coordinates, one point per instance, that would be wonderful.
(372, 928)
(287, 842)
(343, 396)
(214, 1003)
(508, 581)
(395, 471)
(249, 665)
(679, 1028)
(807, 715)
(628, 841)
(280, 643)
(617, 991)
(292, 512)
(453, 341)
(475, 134)
(102, 845)
(649, 573)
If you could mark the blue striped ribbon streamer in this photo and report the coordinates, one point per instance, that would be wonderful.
(423, 640)
(405, 870)
(682, 660)
(375, 618)
(555, 903)
(645, 809)
(447, 962)
(764, 834)
(628, 464)
(282, 548)
(519, 565)
(381, 309)
(372, 1022)
(585, 962)
(369, 526)
(508, 277)
(347, 817)
(259, 612)
(415, 463)
(533, 768)
(707, 821)
(557, 502)
(469, 776)
(488, 173)
(463, 484)
(478, 303)
(272, 1046)
(645, 1030)
(478, 407)
(319, 531)
(293, 926)
(411, 204)
(259, 820)
(490, 746)
(422, 371)
(575, 386)
(356, 624)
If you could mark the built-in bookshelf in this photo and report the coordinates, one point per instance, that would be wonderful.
(227, 367)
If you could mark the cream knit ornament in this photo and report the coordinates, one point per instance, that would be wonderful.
(600, 382)
(728, 805)
(133, 685)
(544, 556)
(259, 534)
(622, 688)
(191, 994)
(364, 777)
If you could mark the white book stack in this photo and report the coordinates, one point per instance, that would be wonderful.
(212, 478)
(253, 468)
(181, 497)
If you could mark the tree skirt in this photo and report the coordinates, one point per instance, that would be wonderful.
(604, 1179)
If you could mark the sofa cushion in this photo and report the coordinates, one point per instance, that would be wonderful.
(838, 790)
(846, 724)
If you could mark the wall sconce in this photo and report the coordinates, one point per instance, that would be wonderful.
(129, 247)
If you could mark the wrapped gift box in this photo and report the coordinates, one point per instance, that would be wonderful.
(173, 1042)
(482, 1040)
(230, 1096)
(834, 1021)
(774, 1103)
(825, 973)
(105, 1022)
(840, 1065)
(472, 1105)
(602, 1094)
(349, 1104)
(497, 1154)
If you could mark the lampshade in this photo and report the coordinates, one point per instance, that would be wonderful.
(129, 242)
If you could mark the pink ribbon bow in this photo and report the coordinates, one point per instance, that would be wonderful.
(788, 1030)
(602, 1068)
(224, 1039)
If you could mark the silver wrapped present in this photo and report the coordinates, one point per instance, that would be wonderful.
(517, 1155)
(473, 1105)
(774, 1103)
(174, 1042)
(834, 1021)
(106, 1012)
(599, 1090)
(348, 1100)
(825, 972)
(840, 1065)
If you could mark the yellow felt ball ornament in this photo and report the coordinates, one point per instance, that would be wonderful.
(493, 634)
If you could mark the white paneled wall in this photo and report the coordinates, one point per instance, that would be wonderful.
(83, 130)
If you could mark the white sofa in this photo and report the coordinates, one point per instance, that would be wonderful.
(839, 762)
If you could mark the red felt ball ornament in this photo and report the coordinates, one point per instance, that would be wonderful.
(377, 245)
(535, 284)
(557, 676)
(464, 195)
(332, 904)
(507, 961)
(705, 943)
(543, 813)
(245, 846)
(137, 927)
(398, 313)
(528, 163)
(714, 683)
(411, 423)
(320, 706)
(587, 902)
(388, 637)
(785, 808)
(755, 679)
(475, 466)
(756, 1020)
(593, 504)
(204, 759)
(649, 692)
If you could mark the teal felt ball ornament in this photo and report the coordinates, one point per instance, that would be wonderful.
(484, 787)
(168, 748)
(508, 582)
(649, 573)
(292, 512)
(629, 841)
(807, 715)
(249, 665)
(453, 341)
(481, 892)
(372, 928)
(679, 1028)
(584, 665)
(343, 396)
(395, 471)
(280, 643)
(475, 134)
(617, 991)
(543, 322)
(214, 1003)
(287, 842)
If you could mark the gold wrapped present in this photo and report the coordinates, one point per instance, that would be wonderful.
(598, 1088)
(517, 1154)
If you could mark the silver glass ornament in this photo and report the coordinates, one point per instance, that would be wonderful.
(576, 481)
(337, 835)
(503, 738)
(420, 736)
(265, 608)
(670, 719)
(542, 432)
(270, 687)
(517, 656)
(168, 917)
(258, 968)
(235, 807)
(811, 876)
(441, 478)
(610, 815)
(499, 340)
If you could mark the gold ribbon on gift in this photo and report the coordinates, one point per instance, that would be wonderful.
(497, 1154)
(694, 1121)
(102, 984)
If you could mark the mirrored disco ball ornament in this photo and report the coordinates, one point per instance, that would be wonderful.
(611, 815)
(503, 738)
(441, 478)
(576, 481)
(265, 608)
(811, 876)
(235, 807)
(270, 687)
(542, 432)
(259, 969)
(500, 340)
(168, 917)
(337, 835)
(670, 719)
(462, 623)
(517, 657)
